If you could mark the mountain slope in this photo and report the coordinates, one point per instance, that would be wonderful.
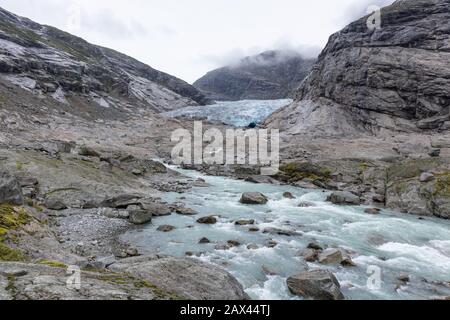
(269, 75)
(45, 60)
(396, 78)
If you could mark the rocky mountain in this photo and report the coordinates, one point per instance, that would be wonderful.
(394, 78)
(51, 63)
(269, 75)
(373, 116)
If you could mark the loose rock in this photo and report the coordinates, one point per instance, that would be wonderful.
(318, 285)
(254, 198)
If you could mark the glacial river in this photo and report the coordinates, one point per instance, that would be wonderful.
(395, 245)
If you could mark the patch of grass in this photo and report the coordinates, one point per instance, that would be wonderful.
(305, 170)
(13, 217)
(126, 279)
(19, 165)
(10, 255)
(442, 185)
(54, 264)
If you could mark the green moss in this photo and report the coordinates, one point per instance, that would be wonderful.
(304, 170)
(19, 165)
(126, 279)
(9, 254)
(442, 185)
(12, 217)
(54, 264)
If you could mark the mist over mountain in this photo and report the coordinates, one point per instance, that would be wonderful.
(269, 75)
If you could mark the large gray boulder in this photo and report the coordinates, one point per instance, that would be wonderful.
(317, 285)
(344, 198)
(253, 198)
(10, 190)
(188, 278)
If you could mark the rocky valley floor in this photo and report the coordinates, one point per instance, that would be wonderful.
(86, 183)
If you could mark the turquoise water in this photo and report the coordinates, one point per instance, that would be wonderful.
(234, 113)
(398, 244)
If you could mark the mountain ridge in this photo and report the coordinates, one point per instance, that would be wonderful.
(274, 74)
(55, 59)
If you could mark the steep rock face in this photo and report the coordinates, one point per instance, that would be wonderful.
(47, 61)
(269, 75)
(395, 78)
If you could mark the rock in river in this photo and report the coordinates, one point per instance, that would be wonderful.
(344, 198)
(317, 285)
(253, 198)
(207, 220)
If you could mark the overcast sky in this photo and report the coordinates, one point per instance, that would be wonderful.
(187, 38)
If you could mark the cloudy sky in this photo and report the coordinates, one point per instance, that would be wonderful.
(187, 38)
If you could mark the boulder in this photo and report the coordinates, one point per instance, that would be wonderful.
(310, 255)
(317, 285)
(139, 216)
(373, 211)
(288, 195)
(281, 232)
(201, 183)
(331, 256)
(122, 201)
(253, 198)
(184, 211)
(86, 151)
(204, 241)
(166, 228)
(207, 220)
(244, 222)
(54, 203)
(185, 277)
(344, 198)
(10, 190)
(305, 204)
(234, 243)
(426, 177)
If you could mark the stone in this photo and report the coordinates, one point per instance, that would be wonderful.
(269, 271)
(10, 190)
(187, 278)
(305, 204)
(54, 203)
(310, 255)
(244, 222)
(234, 243)
(156, 209)
(317, 285)
(378, 198)
(204, 241)
(426, 177)
(139, 216)
(122, 201)
(288, 195)
(252, 246)
(281, 232)
(315, 246)
(271, 244)
(222, 247)
(373, 211)
(201, 183)
(166, 228)
(208, 220)
(331, 256)
(435, 153)
(254, 198)
(86, 151)
(253, 229)
(344, 198)
(185, 211)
